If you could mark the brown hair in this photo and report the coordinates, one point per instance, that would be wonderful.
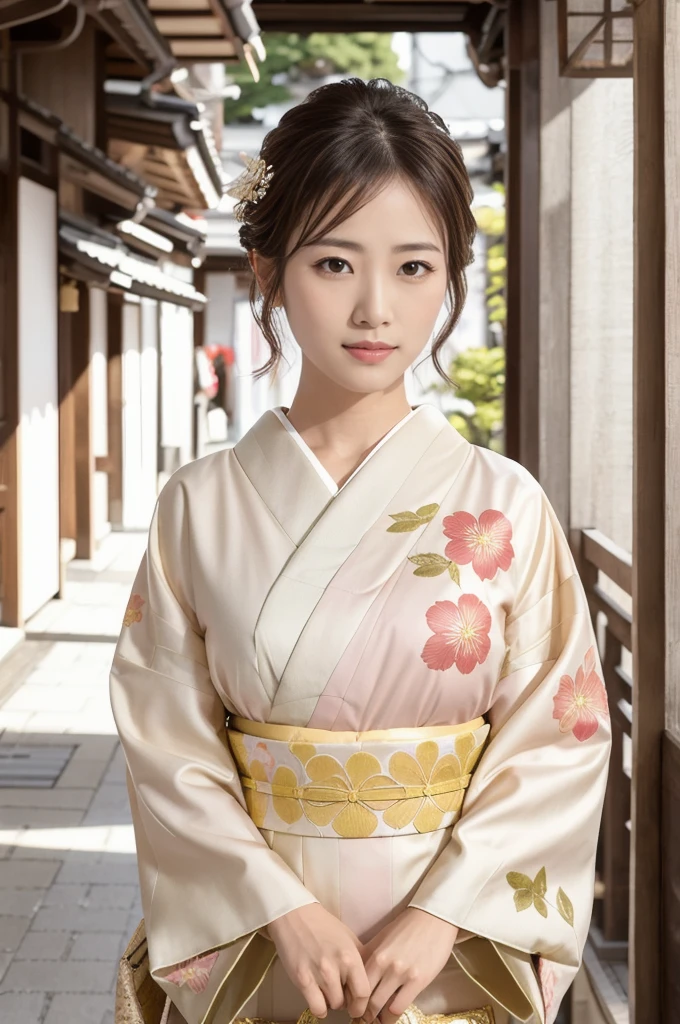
(340, 147)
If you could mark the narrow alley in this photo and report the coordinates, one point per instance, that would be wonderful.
(68, 876)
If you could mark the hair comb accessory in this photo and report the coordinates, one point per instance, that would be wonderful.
(251, 185)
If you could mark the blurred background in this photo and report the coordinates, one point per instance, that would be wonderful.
(128, 348)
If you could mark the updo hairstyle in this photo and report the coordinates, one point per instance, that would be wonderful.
(341, 146)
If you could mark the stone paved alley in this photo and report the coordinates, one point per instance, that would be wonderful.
(68, 878)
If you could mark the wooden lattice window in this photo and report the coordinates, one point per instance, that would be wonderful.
(596, 38)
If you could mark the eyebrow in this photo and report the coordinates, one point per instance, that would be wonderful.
(343, 243)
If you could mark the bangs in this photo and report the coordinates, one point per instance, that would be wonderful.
(345, 196)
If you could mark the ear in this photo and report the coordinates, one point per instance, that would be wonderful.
(262, 269)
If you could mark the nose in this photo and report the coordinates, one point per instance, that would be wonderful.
(373, 302)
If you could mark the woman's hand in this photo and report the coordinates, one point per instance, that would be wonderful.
(402, 960)
(323, 959)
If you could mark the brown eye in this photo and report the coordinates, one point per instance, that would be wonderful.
(411, 268)
(332, 265)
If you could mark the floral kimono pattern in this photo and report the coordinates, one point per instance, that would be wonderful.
(436, 588)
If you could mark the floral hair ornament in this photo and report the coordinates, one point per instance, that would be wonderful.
(251, 185)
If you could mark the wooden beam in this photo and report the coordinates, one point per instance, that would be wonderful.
(176, 26)
(348, 17)
(202, 49)
(141, 132)
(164, 6)
(23, 12)
(611, 559)
(171, 195)
(219, 12)
(649, 572)
(129, 154)
(123, 69)
(78, 173)
(160, 175)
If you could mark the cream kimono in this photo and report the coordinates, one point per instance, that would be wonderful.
(422, 630)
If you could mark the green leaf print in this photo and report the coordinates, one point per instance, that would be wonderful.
(454, 572)
(531, 893)
(427, 511)
(429, 564)
(540, 883)
(565, 907)
(407, 521)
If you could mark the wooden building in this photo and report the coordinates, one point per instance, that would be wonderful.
(99, 160)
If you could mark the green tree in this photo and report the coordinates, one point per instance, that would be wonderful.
(292, 57)
(480, 376)
(491, 223)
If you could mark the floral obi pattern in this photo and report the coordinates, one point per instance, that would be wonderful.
(352, 785)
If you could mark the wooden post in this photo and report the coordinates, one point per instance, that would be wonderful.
(523, 182)
(672, 186)
(555, 278)
(671, 757)
(67, 431)
(114, 462)
(616, 848)
(649, 550)
(10, 438)
(82, 408)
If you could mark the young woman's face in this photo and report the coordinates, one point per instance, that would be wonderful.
(380, 276)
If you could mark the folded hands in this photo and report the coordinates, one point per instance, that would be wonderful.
(377, 979)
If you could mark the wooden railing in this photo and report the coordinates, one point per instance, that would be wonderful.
(599, 560)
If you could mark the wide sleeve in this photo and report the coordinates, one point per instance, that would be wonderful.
(208, 879)
(517, 876)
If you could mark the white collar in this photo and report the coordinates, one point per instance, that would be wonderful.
(320, 468)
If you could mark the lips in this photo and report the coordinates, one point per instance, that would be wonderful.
(371, 346)
(370, 352)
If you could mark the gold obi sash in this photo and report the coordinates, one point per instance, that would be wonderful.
(352, 785)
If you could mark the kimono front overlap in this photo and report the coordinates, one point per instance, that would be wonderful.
(434, 589)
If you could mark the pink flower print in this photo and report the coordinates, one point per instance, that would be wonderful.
(194, 972)
(133, 612)
(546, 976)
(580, 703)
(265, 755)
(461, 634)
(485, 541)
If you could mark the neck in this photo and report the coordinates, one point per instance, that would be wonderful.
(342, 427)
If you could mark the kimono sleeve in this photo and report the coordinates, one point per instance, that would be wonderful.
(517, 876)
(207, 876)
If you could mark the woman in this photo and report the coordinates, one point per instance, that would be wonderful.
(390, 620)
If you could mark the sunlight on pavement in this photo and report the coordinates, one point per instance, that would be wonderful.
(114, 839)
